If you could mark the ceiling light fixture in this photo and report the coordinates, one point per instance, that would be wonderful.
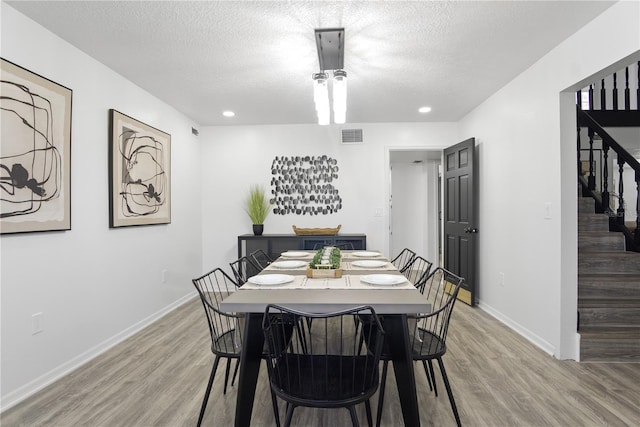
(228, 113)
(330, 46)
(424, 110)
(339, 96)
(321, 97)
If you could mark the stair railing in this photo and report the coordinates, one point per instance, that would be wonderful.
(601, 193)
(603, 106)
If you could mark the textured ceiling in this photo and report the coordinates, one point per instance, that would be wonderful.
(256, 57)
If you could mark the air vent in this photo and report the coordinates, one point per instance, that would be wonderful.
(352, 136)
(194, 131)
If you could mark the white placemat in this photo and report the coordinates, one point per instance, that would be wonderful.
(348, 256)
(290, 255)
(345, 282)
(348, 265)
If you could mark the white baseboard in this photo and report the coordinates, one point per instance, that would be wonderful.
(526, 333)
(32, 387)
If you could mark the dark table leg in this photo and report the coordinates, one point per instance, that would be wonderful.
(249, 368)
(397, 334)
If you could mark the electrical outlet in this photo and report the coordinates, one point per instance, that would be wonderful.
(547, 210)
(37, 323)
(163, 276)
(501, 279)
(378, 212)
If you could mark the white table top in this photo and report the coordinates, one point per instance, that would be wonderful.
(383, 301)
(391, 300)
(320, 296)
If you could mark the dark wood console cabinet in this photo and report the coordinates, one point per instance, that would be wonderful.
(274, 244)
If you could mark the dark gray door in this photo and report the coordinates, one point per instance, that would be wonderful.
(460, 201)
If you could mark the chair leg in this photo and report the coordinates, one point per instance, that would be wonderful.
(235, 371)
(426, 371)
(449, 392)
(226, 375)
(206, 394)
(433, 377)
(383, 381)
(354, 416)
(276, 412)
(367, 407)
(287, 420)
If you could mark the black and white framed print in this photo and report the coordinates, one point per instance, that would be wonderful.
(139, 173)
(35, 152)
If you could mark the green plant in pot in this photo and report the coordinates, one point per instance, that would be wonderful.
(258, 208)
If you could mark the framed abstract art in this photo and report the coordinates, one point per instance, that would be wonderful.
(139, 173)
(35, 152)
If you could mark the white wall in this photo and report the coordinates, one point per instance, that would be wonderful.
(409, 209)
(414, 216)
(94, 285)
(527, 159)
(239, 156)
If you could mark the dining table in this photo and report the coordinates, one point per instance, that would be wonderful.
(368, 279)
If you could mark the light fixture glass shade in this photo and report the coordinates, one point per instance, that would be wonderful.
(321, 97)
(339, 96)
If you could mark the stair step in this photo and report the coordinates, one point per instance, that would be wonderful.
(608, 262)
(593, 222)
(609, 313)
(599, 241)
(608, 286)
(610, 344)
(586, 205)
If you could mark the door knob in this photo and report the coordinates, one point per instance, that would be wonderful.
(471, 230)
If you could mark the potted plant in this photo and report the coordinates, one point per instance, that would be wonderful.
(258, 207)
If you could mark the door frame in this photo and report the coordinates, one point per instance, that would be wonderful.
(388, 183)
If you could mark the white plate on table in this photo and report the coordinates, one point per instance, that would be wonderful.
(271, 279)
(289, 264)
(383, 279)
(369, 263)
(294, 254)
(365, 254)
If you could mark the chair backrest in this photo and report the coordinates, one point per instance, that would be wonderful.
(324, 365)
(402, 260)
(226, 336)
(243, 268)
(260, 258)
(417, 271)
(441, 289)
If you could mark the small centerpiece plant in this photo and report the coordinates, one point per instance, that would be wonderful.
(325, 263)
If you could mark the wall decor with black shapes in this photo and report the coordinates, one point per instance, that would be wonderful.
(304, 185)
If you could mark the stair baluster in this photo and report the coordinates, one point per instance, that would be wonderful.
(615, 92)
(627, 95)
(603, 96)
(620, 212)
(580, 171)
(592, 178)
(605, 177)
(590, 97)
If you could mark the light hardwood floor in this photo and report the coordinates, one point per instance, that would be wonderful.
(158, 378)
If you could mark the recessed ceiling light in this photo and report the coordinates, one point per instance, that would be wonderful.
(228, 113)
(424, 109)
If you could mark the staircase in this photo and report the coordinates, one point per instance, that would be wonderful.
(608, 290)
